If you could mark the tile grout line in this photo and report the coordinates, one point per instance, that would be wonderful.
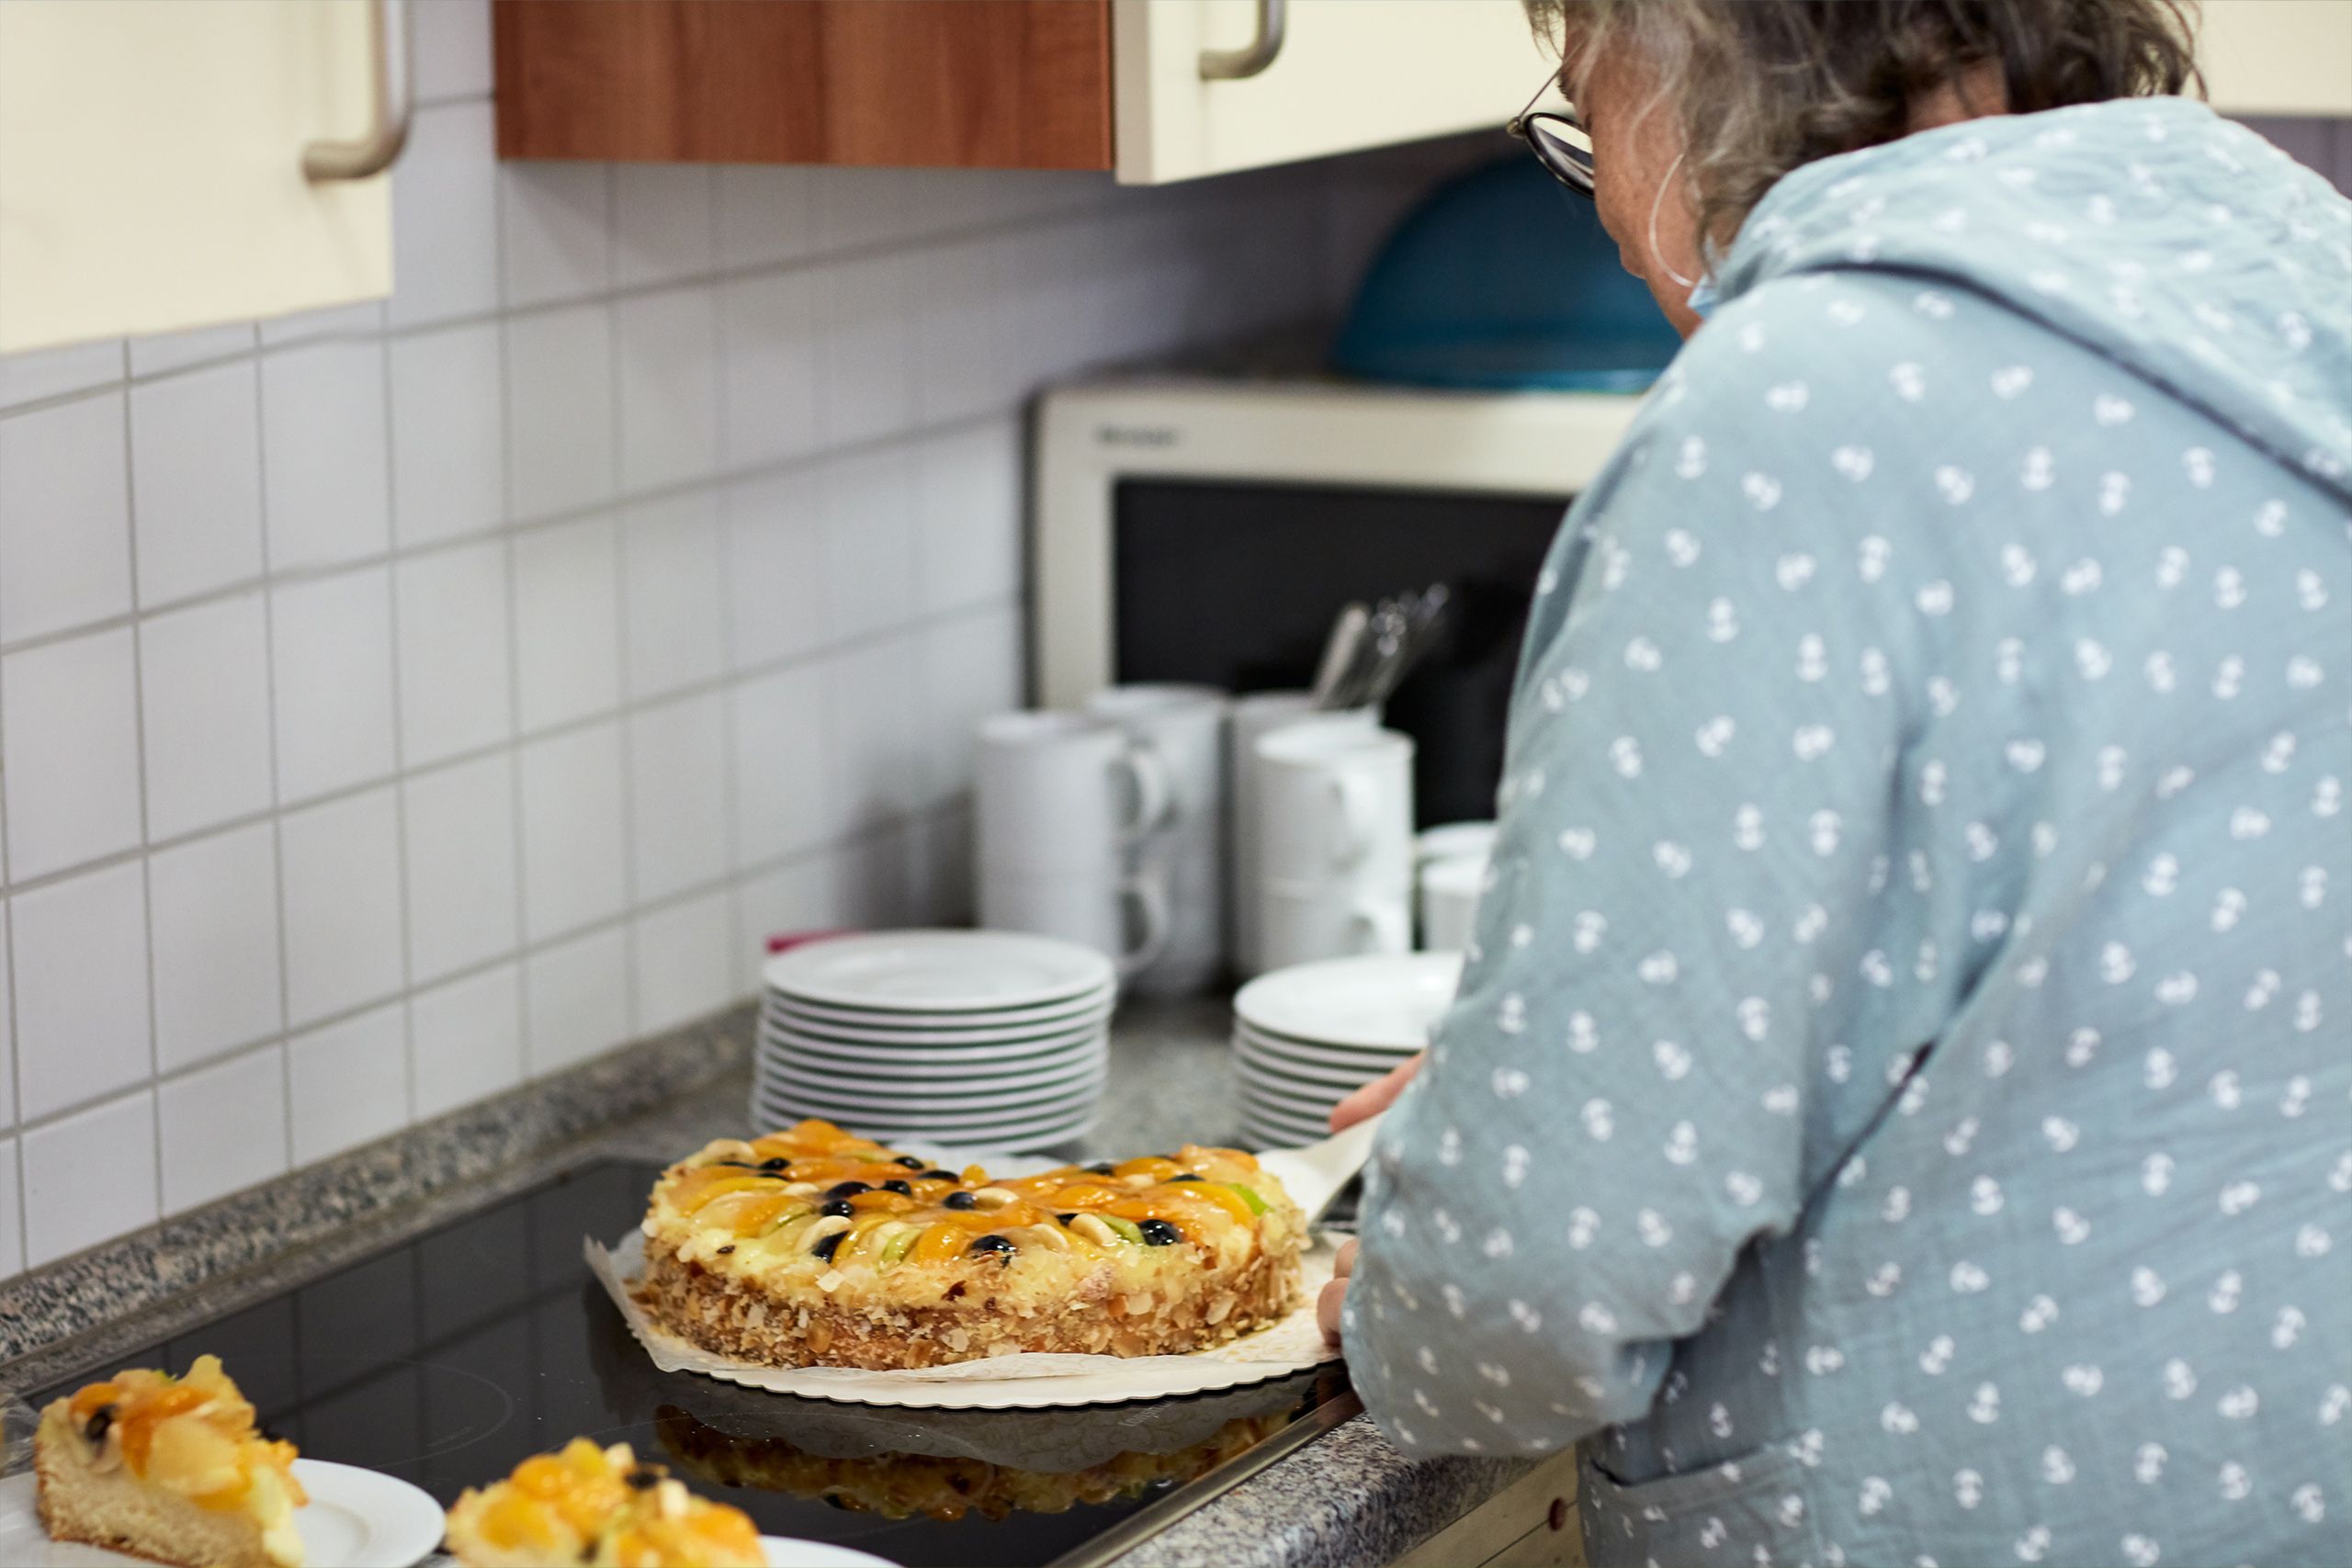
(506, 537)
(717, 278)
(284, 1035)
(725, 883)
(401, 698)
(723, 522)
(139, 747)
(822, 654)
(719, 479)
(615, 367)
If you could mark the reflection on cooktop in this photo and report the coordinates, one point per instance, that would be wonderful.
(449, 1358)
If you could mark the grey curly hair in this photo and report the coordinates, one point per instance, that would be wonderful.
(1764, 85)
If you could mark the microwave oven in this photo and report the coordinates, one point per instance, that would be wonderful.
(1209, 529)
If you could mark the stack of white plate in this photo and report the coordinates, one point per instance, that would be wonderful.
(1307, 1036)
(951, 1036)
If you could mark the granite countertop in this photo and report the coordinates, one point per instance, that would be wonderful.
(1348, 1498)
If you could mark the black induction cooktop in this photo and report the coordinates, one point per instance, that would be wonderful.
(446, 1360)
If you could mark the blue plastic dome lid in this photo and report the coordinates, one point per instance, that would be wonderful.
(1500, 279)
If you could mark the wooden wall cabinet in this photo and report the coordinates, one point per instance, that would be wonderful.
(151, 163)
(1111, 85)
(1117, 85)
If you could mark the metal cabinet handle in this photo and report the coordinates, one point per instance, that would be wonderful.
(1234, 65)
(372, 152)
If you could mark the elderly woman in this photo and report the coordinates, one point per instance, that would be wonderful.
(1898, 1094)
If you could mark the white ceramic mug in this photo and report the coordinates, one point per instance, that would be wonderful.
(1061, 790)
(1254, 718)
(1449, 890)
(1184, 727)
(1121, 914)
(1059, 799)
(1337, 802)
(1338, 919)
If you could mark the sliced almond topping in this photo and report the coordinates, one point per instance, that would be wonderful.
(1091, 1228)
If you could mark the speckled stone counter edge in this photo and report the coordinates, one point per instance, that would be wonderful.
(327, 1200)
(1347, 1500)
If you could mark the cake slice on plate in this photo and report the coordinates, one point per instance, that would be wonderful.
(168, 1469)
(599, 1508)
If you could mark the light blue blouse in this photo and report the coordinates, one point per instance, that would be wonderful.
(1901, 1089)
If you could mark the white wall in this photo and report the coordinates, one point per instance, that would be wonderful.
(403, 702)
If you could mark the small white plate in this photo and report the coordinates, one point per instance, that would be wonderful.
(1036, 1098)
(1021, 1128)
(890, 1058)
(1288, 1105)
(357, 1518)
(800, 1056)
(1049, 1016)
(1347, 1057)
(820, 1074)
(1262, 1133)
(916, 1096)
(939, 971)
(1384, 1001)
(1253, 1059)
(784, 1554)
(776, 1023)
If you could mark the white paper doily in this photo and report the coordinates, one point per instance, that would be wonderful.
(1026, 1381)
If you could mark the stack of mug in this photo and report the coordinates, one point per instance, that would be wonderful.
(1107, 827)
(1111, 827)
(1331, 803)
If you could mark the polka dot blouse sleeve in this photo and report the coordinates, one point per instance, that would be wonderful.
(1694, 830)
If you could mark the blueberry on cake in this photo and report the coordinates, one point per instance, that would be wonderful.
(168, 1469)
(814, 1247)
(597, 1508)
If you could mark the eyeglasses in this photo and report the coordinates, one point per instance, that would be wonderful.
(1559, 142)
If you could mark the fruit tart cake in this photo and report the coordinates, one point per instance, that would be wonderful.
(814, 1247)
(169, 1468)
(597, 1506)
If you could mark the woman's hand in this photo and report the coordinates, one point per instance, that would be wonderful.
(1374, 1097)
(1326, 1307)
(1368, 1102)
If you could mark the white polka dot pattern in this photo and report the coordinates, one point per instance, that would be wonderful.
(1900, 1087)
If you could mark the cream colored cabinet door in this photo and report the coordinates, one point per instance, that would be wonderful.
(2277, 57)
(1349, 73)
(152, 162)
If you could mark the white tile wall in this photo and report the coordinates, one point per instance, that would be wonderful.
(406, 699)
